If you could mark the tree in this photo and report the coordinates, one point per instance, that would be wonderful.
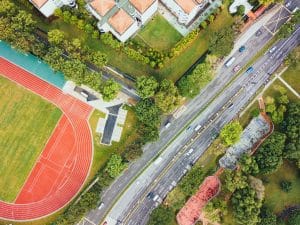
(110, 89)
(269, 154)
(231, 133)
(167, 98)
(240, 10)
(293, 58)
(7, 6)
(162, 215)
(287, 28)
(148, 113)
(267, 217)
(215, 209)
(191, 182)
(248, 165)
(93, 80)
(98, 58)
(133, 151)
(115, 165)
(234, 180)
(294, 218)
(246, 206)
(268, 2)
(221, 41)
(56, 37)
(258, 186)
(146, 86)
(149, 133)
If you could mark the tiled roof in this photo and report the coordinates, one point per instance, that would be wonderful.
(121, 21)
(142, 5)
(102, 6)
(39, 3)
(186, 5)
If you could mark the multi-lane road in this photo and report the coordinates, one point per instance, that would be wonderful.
(130, 188)
(224, 109)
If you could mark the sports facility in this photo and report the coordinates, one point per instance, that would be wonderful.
(45, 145)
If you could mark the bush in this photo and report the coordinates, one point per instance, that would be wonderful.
(286, 186)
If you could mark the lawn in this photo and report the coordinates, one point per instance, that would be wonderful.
(275, 198)
(103, 152)
(173, 69)
(292, 77)
(26, 123)
(158, 34)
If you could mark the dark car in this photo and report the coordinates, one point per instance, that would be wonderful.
(242, 48)
(150, 195)
(258, 33)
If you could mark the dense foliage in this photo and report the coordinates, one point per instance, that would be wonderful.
(231, 133)
(269, 154)
(190, 183)
(115, 165)
(146, 86)
(162, 215)
(267, 217)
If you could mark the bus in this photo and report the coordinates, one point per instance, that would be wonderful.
(230, 61)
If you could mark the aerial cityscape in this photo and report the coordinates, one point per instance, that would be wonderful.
(150, 112)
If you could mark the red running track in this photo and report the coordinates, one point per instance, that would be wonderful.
(64, 164)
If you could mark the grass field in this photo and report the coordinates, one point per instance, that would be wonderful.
(158, 34)
(292, 77)
(26, 123)
(275, 198)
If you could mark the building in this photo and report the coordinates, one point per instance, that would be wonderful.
(186, 10)
(47, 7)
(122, 18)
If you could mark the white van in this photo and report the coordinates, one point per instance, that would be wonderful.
(230, 61)
(197, 127)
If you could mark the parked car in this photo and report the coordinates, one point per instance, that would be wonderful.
(258, 33)
(249, 70)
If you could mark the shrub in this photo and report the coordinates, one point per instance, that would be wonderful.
(286, 186)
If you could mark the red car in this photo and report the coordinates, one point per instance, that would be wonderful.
(236, 68)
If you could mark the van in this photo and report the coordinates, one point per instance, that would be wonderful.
(167, 124)
(197, 127)
(84, 94)
(190, 151)
(230, 61)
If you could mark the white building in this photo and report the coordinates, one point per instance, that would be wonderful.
(122, 17)
(47, 7)
(185, 10)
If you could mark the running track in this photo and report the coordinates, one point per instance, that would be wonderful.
(64, 164)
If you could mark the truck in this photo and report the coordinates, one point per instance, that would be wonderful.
(230, 61)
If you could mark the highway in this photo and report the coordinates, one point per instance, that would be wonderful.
(240, 93)
(169, 149)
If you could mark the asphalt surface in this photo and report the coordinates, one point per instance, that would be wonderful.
(194, 107)
(171, 167)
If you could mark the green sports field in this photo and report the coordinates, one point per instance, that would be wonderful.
(26, 123)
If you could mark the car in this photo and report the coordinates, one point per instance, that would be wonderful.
(150, 195)
(287, 4)
(258, 33)
(249, 70)
(168, 124)
(197, 127)
(272, 49)
(189, 128)
(242, 48)
(236, 68)
(101, 205)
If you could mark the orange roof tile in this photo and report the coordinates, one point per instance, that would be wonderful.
(186, 5)
(121, 21)
(39, 3)
(102, 6)
(142, 5)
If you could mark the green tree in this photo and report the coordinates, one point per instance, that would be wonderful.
(240, 10)
(231, 133)
(133, 151)
(269, 154)
(221, 41)
(93, 80)
(149, 133)
(267, 217)
(294, 218)
(148, 113)
(248, 165)
(246, 206)
(162, 215)
(234, 180)
(167, 98)
(56, 37)
(110, 90)
(115, 165)
(192, 180)
(98, 58)
(268, 2)
(286, 185)
(146, 86)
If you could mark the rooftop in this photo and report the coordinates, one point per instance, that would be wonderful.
(121, 21)
(39, 3)
(102, 6)
(142, 5)
(187, 5)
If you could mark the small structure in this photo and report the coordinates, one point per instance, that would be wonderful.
(191, 211)
(47, 7)
(122, 18)
(254, 132)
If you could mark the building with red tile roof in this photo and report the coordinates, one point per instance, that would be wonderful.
(47, 7)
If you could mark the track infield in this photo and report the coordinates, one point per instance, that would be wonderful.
(26, 123)
(64, 163)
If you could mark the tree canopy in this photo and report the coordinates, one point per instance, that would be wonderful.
(115, 165)
(146, 86)
(110, 90)
(231, 133)
(162, 215)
